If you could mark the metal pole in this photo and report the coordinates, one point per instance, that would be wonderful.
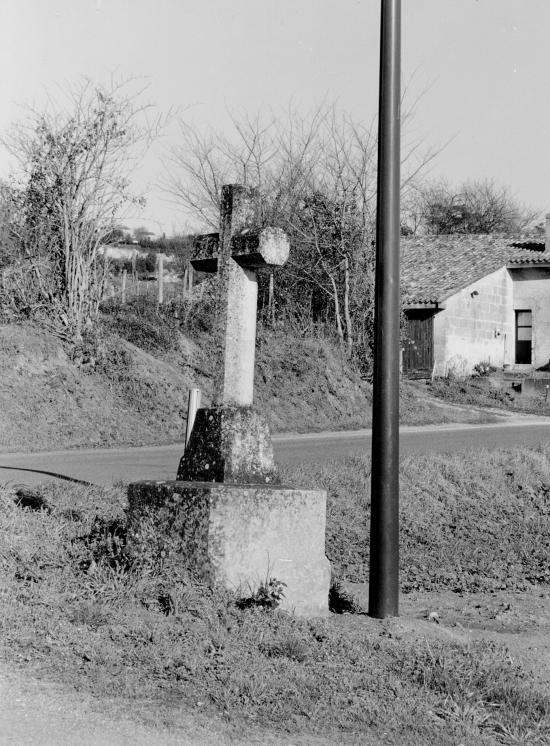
(384, 529)
(193, 405)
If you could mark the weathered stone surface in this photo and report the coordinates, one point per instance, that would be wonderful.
(205, 252)
(240, 536)
(234, 379)
(257, 249)
(251, 248)
(236, 253)
(229, 444)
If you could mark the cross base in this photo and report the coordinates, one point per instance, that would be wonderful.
(238, 536)
(229, 444)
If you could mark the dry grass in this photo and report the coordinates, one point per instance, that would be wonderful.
(486, 391)
(470, 522)
(75, 606)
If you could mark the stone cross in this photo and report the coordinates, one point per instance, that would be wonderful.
(237, 252)
(225, 517)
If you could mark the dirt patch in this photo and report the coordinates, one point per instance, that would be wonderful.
(37, 711)
(519, 621)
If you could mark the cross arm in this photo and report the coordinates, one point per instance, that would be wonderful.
(254, 249)
(251, 248)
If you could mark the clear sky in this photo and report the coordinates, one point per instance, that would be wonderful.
(485, 63)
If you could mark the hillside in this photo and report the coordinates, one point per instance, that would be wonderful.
(129, 385)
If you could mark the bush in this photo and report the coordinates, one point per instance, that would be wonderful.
(470, 391)
(146, 265)
(99, 353)
(143, 323)
(196, 315)
(484, 368)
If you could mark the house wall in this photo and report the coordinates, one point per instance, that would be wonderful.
(532, 293)
(477, 324)
(122, 252)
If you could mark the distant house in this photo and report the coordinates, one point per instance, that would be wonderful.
(123, 251)
(474, 298)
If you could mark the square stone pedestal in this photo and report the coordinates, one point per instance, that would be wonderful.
(239, 536)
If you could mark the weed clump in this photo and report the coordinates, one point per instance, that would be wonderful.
(268, 596)
(480, 390)
(25, 497)
(341, 601)
(481, 686)
(484, 368)
(474, 390)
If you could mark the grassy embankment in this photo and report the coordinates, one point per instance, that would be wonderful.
(487, 391)
(128, 383)
(73, 607)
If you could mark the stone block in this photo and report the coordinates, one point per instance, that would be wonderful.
(229, 444)
(239, 536)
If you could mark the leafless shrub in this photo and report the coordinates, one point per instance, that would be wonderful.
(67, 197)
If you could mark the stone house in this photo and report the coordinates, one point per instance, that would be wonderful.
(474, 298)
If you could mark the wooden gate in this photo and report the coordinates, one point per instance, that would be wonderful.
(418, 346)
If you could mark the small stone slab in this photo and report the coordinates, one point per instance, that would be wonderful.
(239, 536)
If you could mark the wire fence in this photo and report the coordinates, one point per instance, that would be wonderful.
(126, 288)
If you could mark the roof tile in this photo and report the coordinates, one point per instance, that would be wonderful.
(435, 267)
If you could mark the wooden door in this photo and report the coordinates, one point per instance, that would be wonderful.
(418, 346)
(524, 337)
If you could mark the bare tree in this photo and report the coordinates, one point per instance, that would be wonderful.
(474, 207)
(69, 192)
(317, 177)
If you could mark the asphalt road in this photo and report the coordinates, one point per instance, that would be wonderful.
(103, 466)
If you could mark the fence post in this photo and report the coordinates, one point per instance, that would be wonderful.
(184, 285)
(194, 403)
(123, 293)
(271, 301)
(160, 276)
(105, 269)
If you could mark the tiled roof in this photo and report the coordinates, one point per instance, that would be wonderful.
(435, 267)
(531, 257)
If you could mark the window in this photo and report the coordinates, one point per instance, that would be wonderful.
(524, 337)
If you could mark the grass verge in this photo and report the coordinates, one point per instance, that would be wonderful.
(482, 391)
(478, 521)
(75, 606)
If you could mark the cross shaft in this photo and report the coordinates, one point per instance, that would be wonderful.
(236, 253)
